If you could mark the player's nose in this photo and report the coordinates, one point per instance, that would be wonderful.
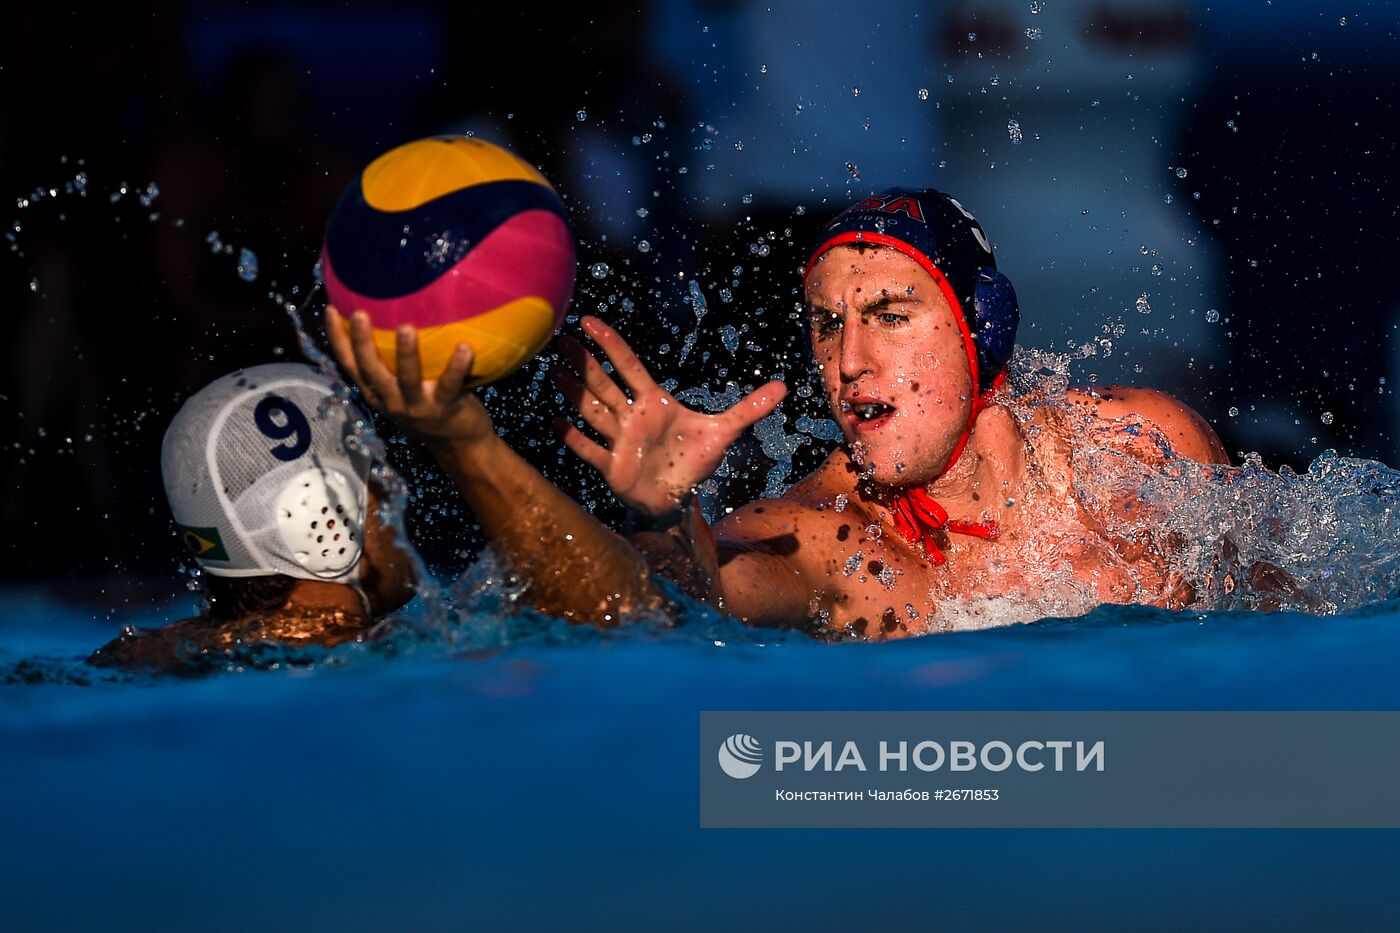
(855, 352)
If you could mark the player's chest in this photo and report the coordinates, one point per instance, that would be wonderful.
(881, 588)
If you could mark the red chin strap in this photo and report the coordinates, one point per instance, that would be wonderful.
(917, 515)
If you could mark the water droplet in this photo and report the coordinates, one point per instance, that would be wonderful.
(247, 265)
(149, 195)
(728, 335)
(855, 92)
(1232, 126)
(923, 93)
(581, 115)
(853, 170)
(1212, 315)
(642, 212)
(1033, 33)
(841, 501)
(1327, 415)
(599, 270)
(1181, 173)
(1234, 412)
(1167, 199)
(972, 37)
(643, 246)
(738, 145)
(1143, 306)
(800, 210)
(1013, 131)
(748, 199)
(34, 285)
(1342, 21)
(763, 69)
(1036, 7)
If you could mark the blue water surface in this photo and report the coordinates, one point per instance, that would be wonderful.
(553, 784)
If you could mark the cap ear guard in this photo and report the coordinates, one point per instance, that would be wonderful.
(997, 314)
(321, 522)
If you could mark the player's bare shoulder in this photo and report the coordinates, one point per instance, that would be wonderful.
(1148, 418)
(781, 526)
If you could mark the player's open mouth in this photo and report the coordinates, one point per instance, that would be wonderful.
(866, 416)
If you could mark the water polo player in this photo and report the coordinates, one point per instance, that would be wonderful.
(271, 493)
(939, 494)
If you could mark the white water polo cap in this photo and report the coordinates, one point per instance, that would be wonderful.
(265, 474)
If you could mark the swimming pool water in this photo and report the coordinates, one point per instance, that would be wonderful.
(555, 784)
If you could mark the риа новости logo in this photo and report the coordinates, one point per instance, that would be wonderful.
(741, 756)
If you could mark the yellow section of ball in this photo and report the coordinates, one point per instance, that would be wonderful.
(418, 172)
(502, 340)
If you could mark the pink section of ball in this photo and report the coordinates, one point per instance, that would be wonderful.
(530, 254)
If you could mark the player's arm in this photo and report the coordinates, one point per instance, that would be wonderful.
(1189, 435)
(766, 571)
(574, 565)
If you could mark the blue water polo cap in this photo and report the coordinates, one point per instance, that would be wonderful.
(941, 235)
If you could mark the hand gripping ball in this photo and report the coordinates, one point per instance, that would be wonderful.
(461, 239)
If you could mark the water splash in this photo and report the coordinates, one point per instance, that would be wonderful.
(779, 446)
(1231, 537)
(697, 302)
(247, 265)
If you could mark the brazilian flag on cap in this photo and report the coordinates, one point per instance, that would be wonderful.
(203, 543)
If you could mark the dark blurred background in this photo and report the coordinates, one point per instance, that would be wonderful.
(1197, 200)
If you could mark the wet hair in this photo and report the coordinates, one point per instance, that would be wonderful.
(235, 597)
